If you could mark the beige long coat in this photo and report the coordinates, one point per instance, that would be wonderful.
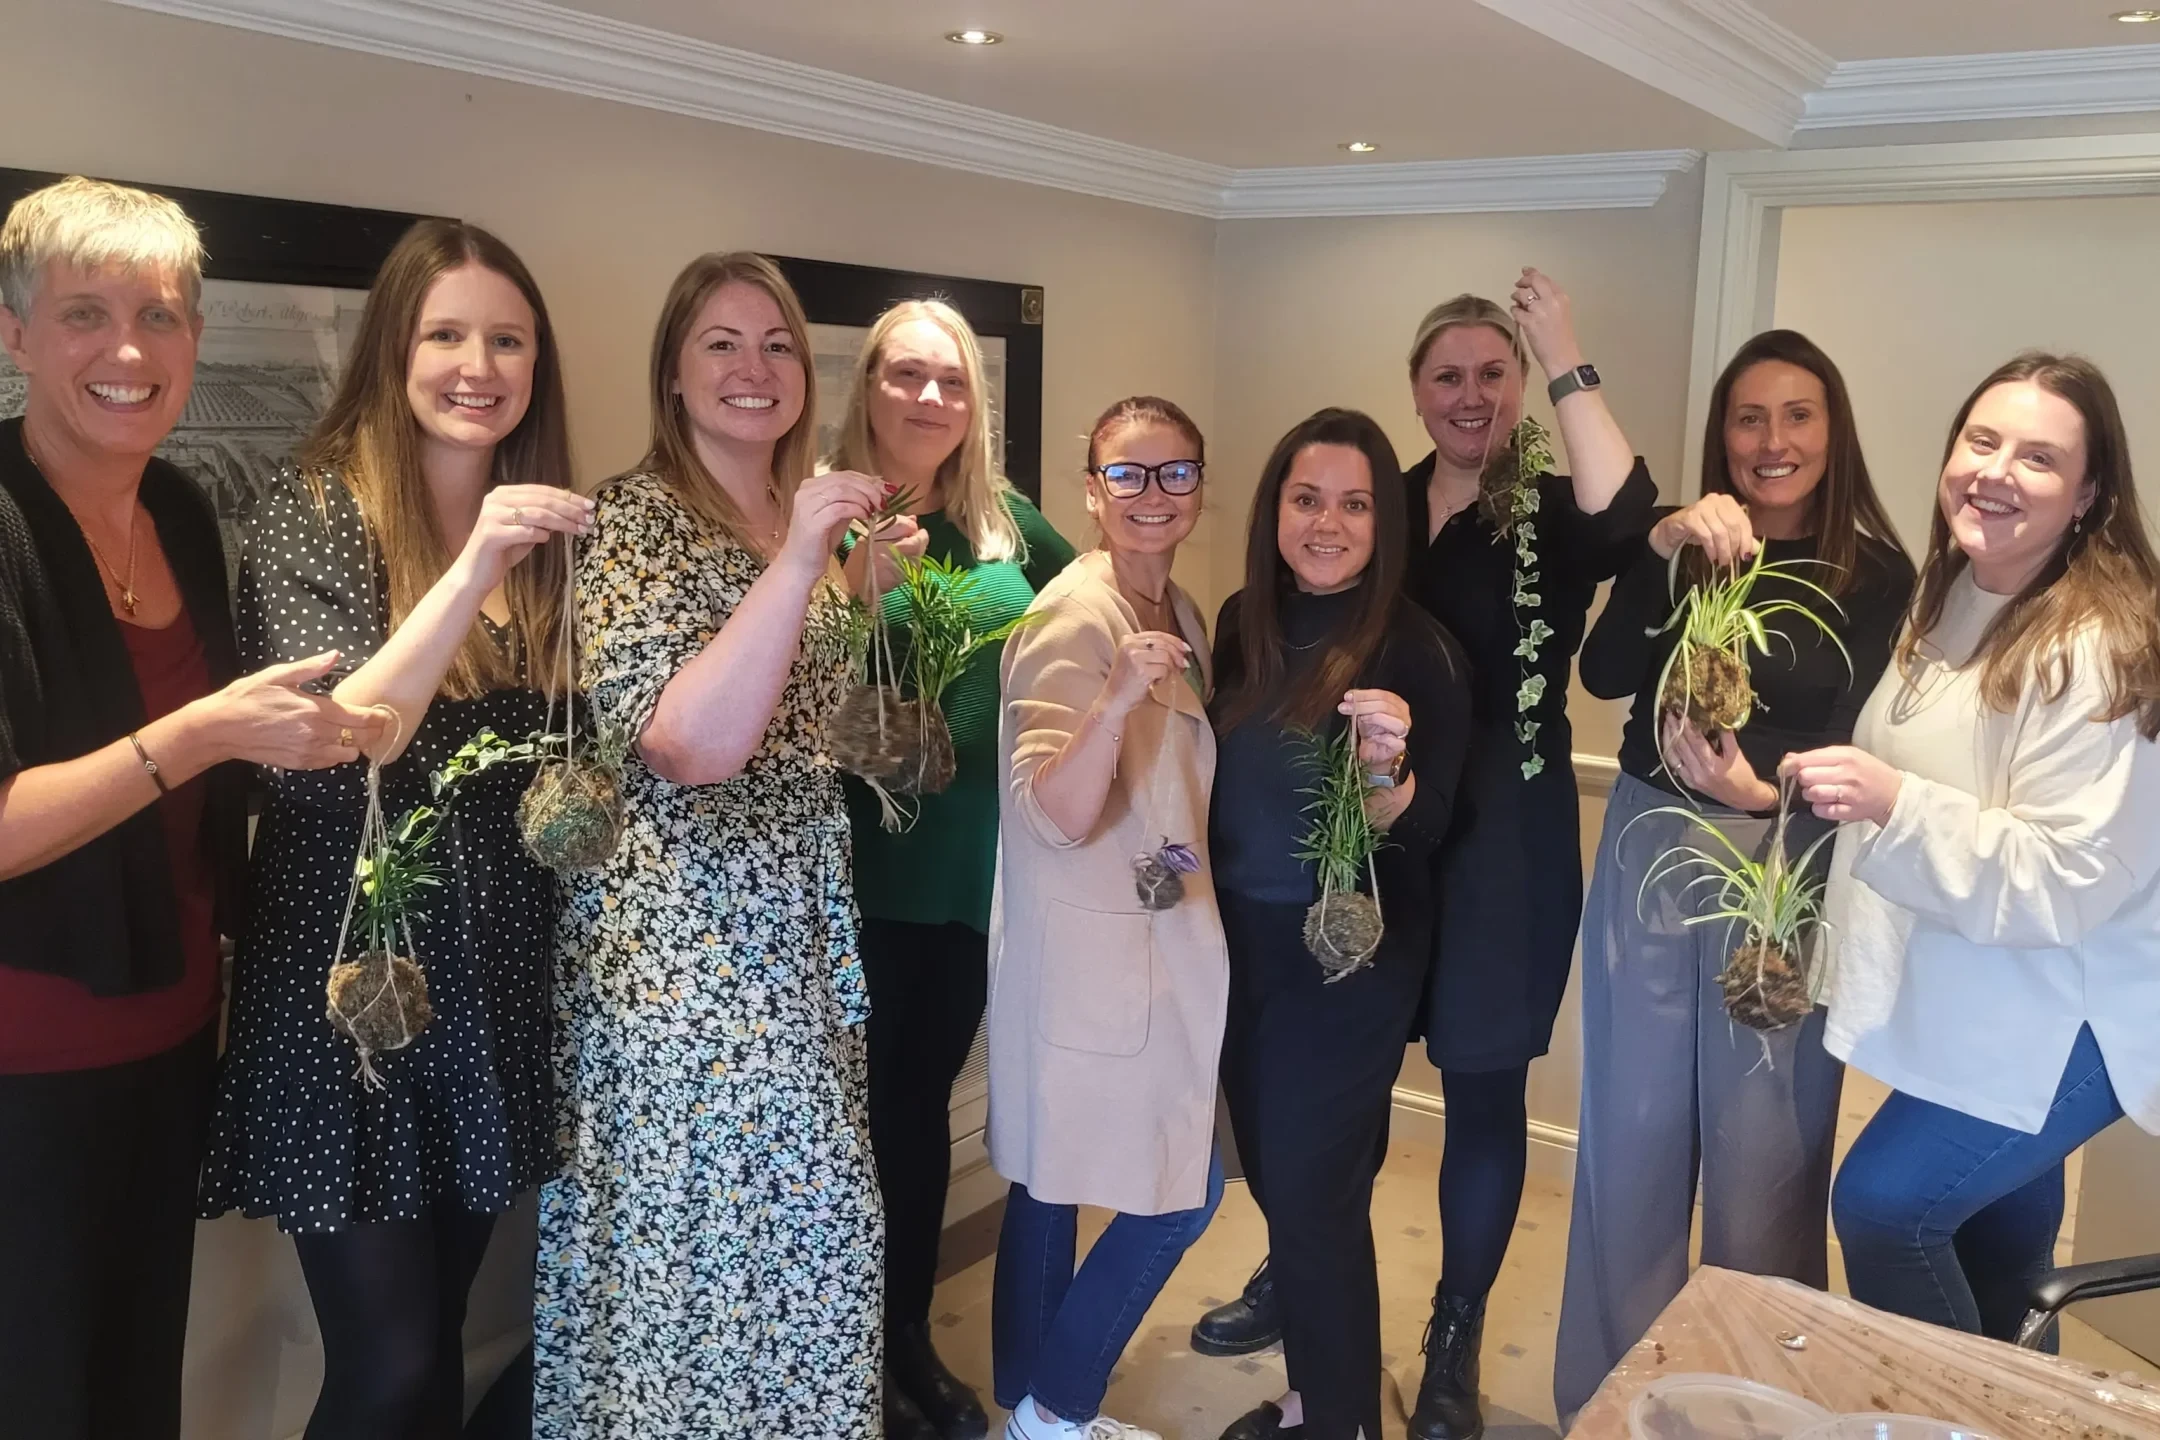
(1106, 1020)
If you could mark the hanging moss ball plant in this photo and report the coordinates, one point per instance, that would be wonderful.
(1343, 928)
(1719, 624)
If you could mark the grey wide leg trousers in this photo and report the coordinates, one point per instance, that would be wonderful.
(1673, 1090)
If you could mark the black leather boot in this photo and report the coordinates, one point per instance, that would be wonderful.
(1447, 1400)
(1264, 1423)
(904, 1419)
(1251, 1322)
(913, 1367)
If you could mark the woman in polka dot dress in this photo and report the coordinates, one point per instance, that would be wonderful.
(711, 1258)
(402, 542)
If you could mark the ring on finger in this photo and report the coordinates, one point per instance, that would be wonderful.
(517, 515)
(345, 736)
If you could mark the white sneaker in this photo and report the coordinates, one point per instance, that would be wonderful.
(1025, 1424)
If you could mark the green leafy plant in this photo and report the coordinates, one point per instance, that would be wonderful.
(1773, 905)
(1508, 491)
(1719, 622)
(1343, 927)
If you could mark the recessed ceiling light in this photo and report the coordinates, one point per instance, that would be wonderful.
(1359, 147)
(2136, 17)
(974, 37)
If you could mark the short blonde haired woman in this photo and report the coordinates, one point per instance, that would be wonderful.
(709, 1259)
(919, 418)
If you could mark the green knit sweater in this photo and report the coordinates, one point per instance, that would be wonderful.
(940, 871)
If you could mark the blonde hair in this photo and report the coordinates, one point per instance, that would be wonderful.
(369, 441)
(974, 491)
(1465, 309)
(672, 455)
(90, 224)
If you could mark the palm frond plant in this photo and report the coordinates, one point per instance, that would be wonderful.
(1719, 622)
(1343, 927)
(890, 730)
(379, 999)
(1773, 906)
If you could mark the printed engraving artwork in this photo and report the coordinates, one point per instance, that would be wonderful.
(270, 360)
(835, 349)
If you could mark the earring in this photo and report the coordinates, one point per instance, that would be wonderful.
(2077, 523)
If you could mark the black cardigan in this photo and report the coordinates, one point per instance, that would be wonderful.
(103, 914)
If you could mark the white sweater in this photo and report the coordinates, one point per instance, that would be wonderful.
(2010, 899)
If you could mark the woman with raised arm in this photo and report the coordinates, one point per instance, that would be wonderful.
(123, 828)
(1995, 896)
(710, 1257)
(1677, 1095)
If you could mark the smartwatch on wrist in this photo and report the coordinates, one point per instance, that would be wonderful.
(1582, 377)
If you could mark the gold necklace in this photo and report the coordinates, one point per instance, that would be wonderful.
(128, 598)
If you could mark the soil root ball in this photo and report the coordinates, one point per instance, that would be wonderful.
(1342, 932)
(379, 1002)
(1159, 886)
(1712, 687)
(1765, 989)
(901, 744)
(571, 816)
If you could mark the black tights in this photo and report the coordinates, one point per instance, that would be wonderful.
(1481, 1175)
(390, 1301)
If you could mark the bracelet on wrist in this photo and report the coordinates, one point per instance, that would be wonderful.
(150, 766)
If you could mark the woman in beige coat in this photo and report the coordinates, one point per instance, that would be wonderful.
(1108, 979)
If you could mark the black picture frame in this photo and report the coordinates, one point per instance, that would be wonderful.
(262, 239)
(835, 293)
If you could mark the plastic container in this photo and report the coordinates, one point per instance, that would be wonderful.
(1720, 1407)
(1891, 1427)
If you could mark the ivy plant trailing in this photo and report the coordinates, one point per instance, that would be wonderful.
(1510, 498)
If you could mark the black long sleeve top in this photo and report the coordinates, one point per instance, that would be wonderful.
(1805, 695)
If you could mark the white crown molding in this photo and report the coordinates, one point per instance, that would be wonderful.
(2012, 85)
(536, 43)
(1721, 56)
(1745, 195)
(1626, 180)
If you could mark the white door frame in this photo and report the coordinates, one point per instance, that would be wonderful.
(1745, 195)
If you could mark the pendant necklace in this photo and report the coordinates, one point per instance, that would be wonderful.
(128, 598)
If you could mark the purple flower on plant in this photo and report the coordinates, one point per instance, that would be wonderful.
(1179, 858)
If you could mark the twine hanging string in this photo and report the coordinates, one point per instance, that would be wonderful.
(568, 626)
(374, 838)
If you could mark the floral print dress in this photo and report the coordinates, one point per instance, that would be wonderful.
(711, 1259)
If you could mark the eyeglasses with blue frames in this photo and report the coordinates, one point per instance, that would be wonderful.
(1128, 479)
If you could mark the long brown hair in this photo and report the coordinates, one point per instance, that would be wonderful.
(974, 491)
(2102, 577)
(1267, 574)
(672, 455)
(1844, 505)
(369, 440)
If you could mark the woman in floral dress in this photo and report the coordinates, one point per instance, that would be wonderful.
(710, 1261)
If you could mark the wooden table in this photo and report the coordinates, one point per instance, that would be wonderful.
(1857, 1359)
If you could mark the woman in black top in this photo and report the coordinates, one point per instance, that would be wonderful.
(1671, 1086)
(1322, 628)
(409, 539)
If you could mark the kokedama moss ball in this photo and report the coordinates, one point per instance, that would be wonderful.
(1712, 686)
(571, 815)
(379, 1002)
(1160, 887)
(1342, 931)
(902, 744)
(1765, 988)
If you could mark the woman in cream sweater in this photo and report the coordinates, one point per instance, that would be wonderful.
(1993, 901)
(1108, 978)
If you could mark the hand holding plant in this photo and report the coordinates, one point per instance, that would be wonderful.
(1844, 783)
(1717, 523)
(1714, 766)
(1342, 928)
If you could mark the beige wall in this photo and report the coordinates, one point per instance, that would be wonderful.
(1917, 303)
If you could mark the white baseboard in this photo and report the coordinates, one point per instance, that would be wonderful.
(974, 1185)
(1552, 1147)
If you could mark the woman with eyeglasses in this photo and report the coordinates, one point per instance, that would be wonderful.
(919, 419)
(1108, 975)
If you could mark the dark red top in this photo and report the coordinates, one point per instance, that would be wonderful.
(48, 1023)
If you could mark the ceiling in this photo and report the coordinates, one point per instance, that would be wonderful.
(1887, 29)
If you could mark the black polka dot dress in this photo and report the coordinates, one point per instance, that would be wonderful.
(465, 1113)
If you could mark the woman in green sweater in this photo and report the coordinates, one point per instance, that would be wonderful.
(919, 419)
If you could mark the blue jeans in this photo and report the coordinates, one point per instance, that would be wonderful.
(1951, 1219)
(1056, 1335)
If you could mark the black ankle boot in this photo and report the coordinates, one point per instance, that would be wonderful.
(1251, 1322)
(912, 1366)
(1447, 1401)
(904, 1419)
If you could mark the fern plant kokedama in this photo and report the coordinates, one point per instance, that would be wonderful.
(1773, 904)
(1719, 622)
(379, 1001)
(1343, 927)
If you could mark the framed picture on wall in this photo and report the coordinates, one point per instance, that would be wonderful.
(842, 301)
(283, 285)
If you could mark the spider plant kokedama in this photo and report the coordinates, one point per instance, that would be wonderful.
(1774, 903)
(901, 744)
(1705, 677)
(1343, 927)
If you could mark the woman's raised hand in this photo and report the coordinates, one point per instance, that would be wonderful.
(825, 505)
(1383, 724)
(515, 518)
(1142, 658)
(1546, 317)
(1717, 522)
(897, 539)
